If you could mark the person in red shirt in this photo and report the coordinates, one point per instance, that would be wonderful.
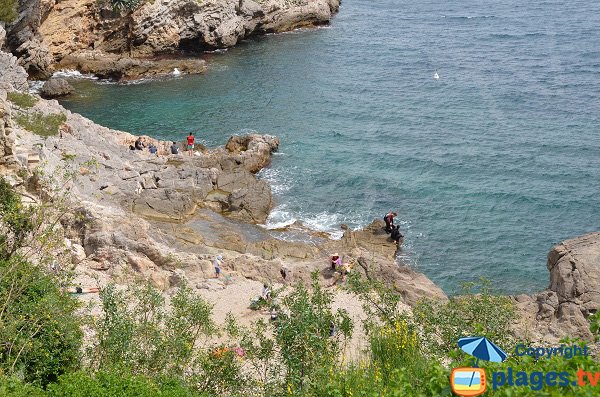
(190, 143)
(389, 221)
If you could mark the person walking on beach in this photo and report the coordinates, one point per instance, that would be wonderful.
(190, 143)
(389, 221)
(218, 262)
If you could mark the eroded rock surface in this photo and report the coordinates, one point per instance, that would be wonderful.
(573, 293)
(88, 34)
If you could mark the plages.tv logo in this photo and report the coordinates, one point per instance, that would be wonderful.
(471, 381)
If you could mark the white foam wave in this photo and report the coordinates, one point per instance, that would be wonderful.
(279, 182)
(279, 219)
(35, 86)
(74, 74)
(325, 222)
(217, 51)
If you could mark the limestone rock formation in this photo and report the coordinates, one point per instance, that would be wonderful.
(2, 36)
(24, 39)
(119, 67)
(51, 34)
(12, 76)
(55, 88)
(11, 72)
(573, 293)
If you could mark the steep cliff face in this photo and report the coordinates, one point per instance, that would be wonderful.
(24, 39)
(47, 31)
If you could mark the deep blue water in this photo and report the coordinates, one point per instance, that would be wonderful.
(489, 166)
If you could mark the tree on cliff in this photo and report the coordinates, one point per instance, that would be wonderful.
(8, 10)
(128, 7)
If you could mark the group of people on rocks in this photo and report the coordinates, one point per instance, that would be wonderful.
(391, 229)
(174, 149)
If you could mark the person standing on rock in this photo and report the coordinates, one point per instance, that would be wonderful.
(190, 143)
(218, 262)
(389, 221)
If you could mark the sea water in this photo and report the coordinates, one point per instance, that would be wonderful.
(478, 122)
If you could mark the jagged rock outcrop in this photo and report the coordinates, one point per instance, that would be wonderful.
(573, 293)
(12, 76)
(7, 138)
(24, 39)
(11, 72)
(51, 34)
(119, 67)
(55, 88)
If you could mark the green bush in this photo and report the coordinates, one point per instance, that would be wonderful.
(22, 99)
(13, 387)
(476, 312)
(137, 333)
(121, 384)
(40, 124)
(39, 330)
(8, 10)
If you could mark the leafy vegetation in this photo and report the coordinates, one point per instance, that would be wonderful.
(40, 124)
(8, 10)
(22, 99)
(125, 5)
(39, 331)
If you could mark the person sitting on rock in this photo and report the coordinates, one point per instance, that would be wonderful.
(153, 149)
(389, 221)
(174, 148)
(396, 235)
(139, 145)
(336, 261)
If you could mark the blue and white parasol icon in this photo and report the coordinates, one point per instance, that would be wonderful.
(482, 348)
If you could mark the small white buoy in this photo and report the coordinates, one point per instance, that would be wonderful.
(436, 76)
(176, 72)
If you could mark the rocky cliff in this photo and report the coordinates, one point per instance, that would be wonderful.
(573, 294)
(51, 34)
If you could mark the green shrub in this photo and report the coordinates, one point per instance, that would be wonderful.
(476, 312)
(137, 333)
(22, 99)
(8, 10)
(121, 384)
(40, 124)
(39, 330)
(13, 387)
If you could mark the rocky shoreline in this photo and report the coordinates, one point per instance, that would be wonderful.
(163, 218)
(91, 37)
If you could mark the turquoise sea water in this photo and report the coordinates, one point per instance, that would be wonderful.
(488, 166)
